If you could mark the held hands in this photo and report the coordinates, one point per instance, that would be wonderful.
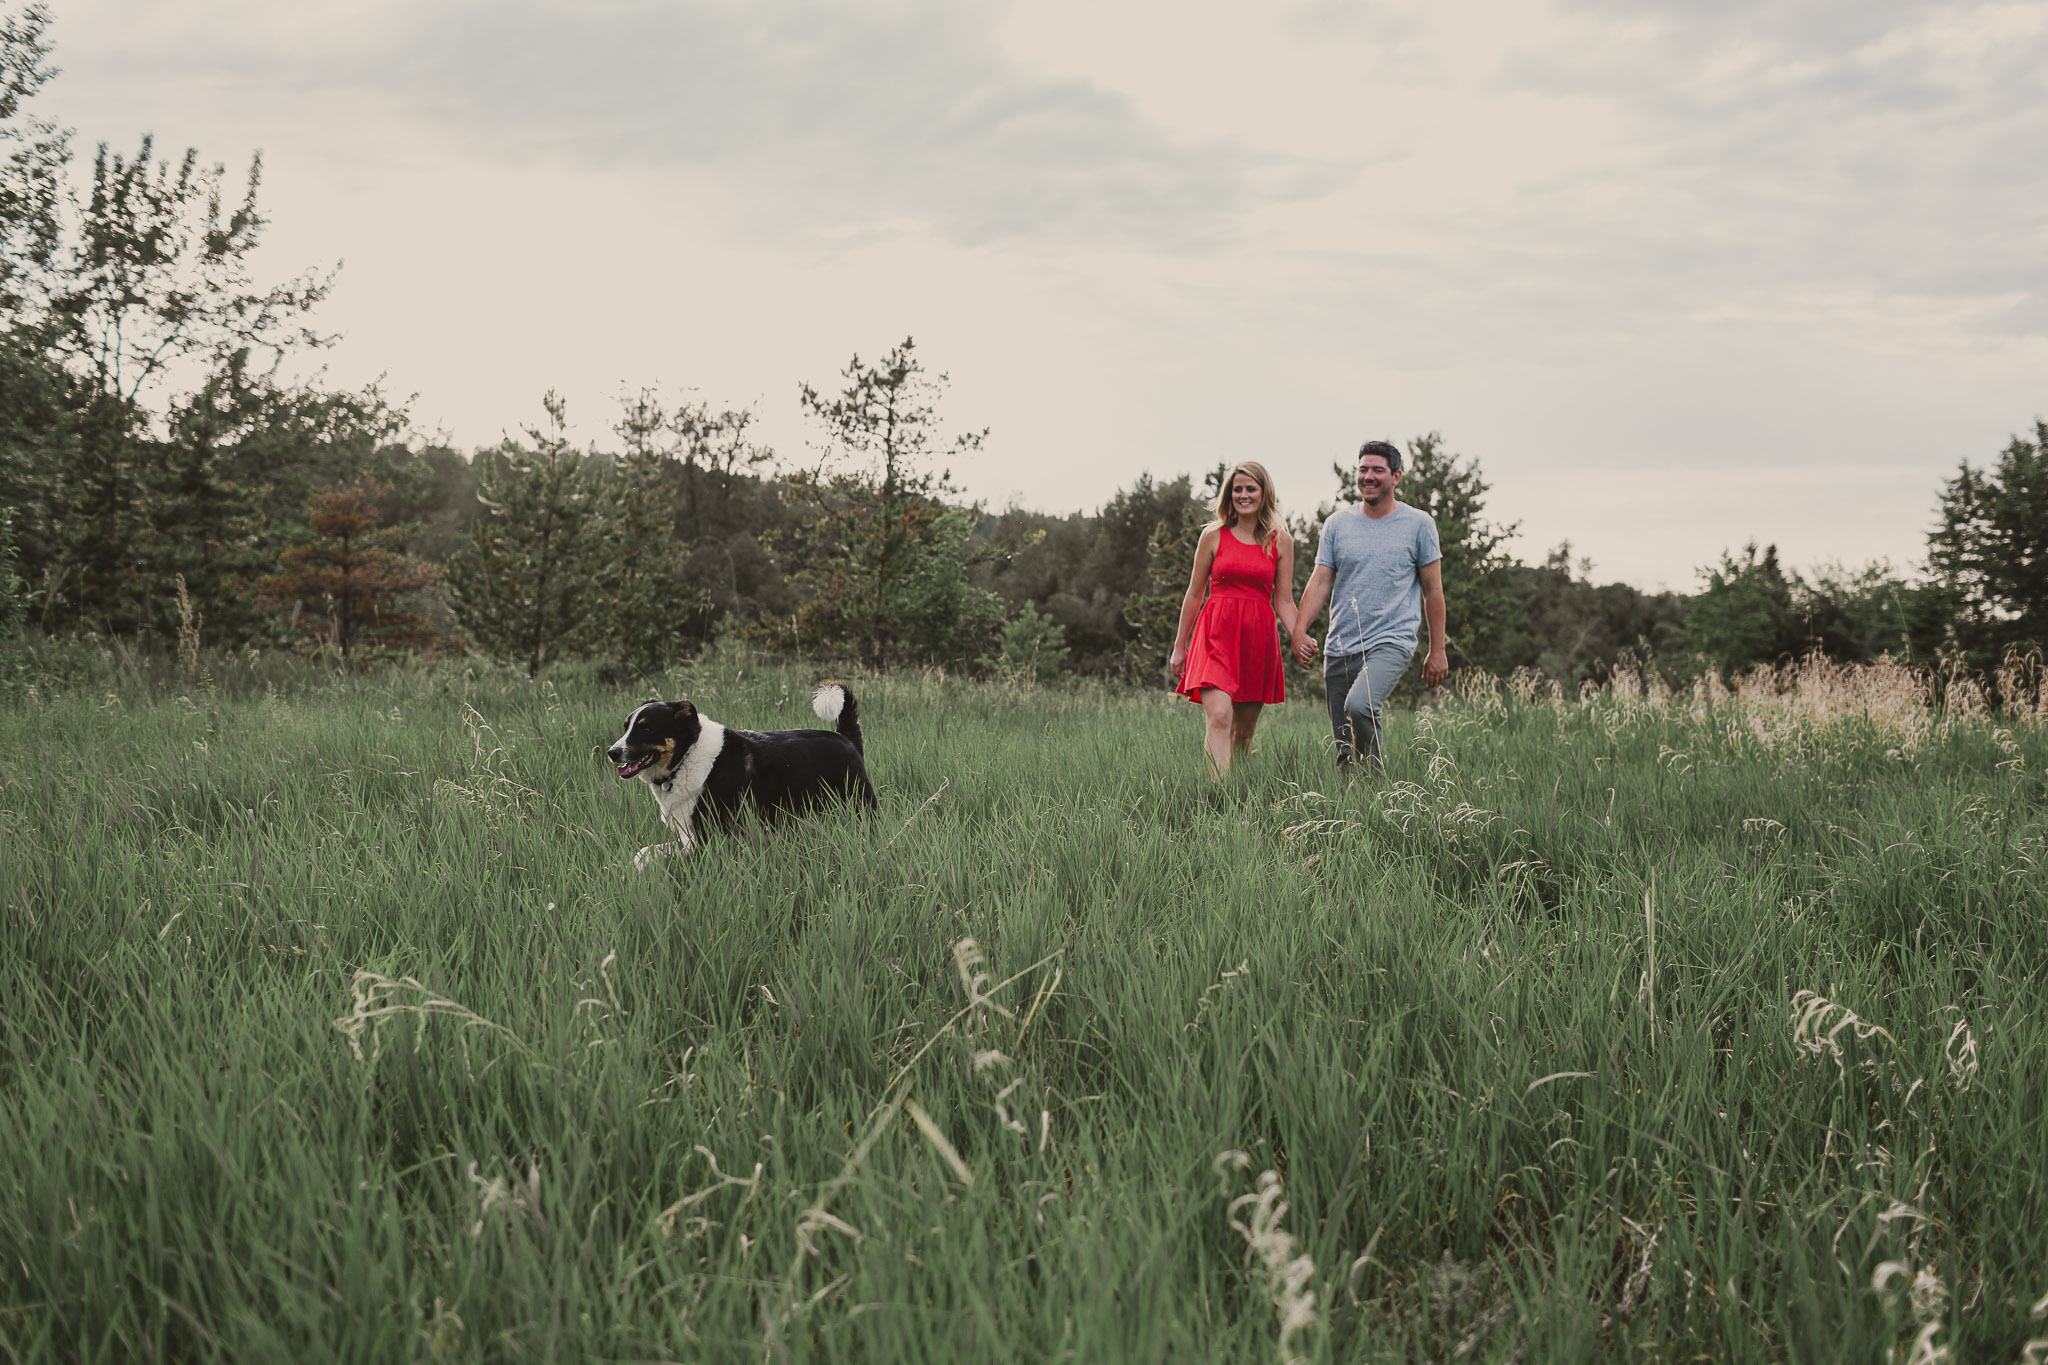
(1436, 667)
(1304, 649)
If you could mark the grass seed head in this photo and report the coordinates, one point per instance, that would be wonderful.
(1286, 1275)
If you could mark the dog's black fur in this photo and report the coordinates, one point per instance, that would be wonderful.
(705, 775)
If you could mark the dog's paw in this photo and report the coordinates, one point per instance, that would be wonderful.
(648, 857)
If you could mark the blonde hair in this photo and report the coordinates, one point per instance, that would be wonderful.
(1266, 527)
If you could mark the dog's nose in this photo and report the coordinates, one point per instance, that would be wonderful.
(617, 753)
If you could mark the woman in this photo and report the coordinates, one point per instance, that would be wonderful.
(1226, 653)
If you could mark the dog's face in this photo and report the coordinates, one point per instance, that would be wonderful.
(657, 736)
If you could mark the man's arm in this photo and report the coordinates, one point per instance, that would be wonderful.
(1314, 598)
(1436, 666)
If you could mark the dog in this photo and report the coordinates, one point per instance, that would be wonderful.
(704, 774)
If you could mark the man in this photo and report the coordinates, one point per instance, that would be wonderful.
(1380, 570)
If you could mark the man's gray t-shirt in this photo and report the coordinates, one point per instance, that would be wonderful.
(1377, 596)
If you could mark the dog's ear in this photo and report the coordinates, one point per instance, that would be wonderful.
(683, 708)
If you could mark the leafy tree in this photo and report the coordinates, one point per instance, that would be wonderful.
(14, 672)
(443, 500)
(157, 284)
(344, 587)
(1989, 549)
(882, 503)
(143, 294)
(529, 585)
(1572, 629)
(1079, 570)
(38, 443)
(198, 523)
(294, 441)
(1744, 613)
(1856, 615)
(13, 592)
(709, 468)
(1154, 611)
(712, 454)
(33, 156)
(943, 618)
(1130, 517)
(160, 275)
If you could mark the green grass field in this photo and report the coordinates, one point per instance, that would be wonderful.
(337, 1026)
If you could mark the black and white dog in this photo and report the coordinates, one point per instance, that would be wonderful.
(704, 774)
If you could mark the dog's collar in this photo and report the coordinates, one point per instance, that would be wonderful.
(664, 783)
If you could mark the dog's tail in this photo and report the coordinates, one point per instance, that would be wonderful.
(834, 703)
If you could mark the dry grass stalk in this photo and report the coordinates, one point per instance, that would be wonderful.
(188, 631)
(751, 1184)
(1267, 1240)
(1208, 1002)
(1812, 1031)
(375, 1000)
(948, 1153)
(519, 1197)
(928, 803)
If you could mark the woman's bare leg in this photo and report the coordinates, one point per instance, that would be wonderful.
(1218, 712)
(1244, 719)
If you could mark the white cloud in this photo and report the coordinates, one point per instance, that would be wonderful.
(831, 121)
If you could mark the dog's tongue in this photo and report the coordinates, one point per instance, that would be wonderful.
(628, 769)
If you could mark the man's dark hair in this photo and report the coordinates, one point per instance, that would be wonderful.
(1387, 449)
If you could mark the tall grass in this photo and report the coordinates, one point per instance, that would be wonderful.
(337, 1026)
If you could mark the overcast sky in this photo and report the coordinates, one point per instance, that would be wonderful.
(1678, 274)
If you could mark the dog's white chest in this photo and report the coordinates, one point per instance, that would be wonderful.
(678, 797)
(677, 806)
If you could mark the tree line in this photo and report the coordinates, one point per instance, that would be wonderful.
(164, 481)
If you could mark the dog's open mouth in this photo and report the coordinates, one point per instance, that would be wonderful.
(638, 764)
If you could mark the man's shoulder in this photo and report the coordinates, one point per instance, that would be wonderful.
(1407, 510)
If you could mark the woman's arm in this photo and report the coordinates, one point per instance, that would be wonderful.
(1191, 604)
(1283, 584)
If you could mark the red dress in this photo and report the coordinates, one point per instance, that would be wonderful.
(1236, 644)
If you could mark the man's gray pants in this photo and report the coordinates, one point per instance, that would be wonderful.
(1357, 686)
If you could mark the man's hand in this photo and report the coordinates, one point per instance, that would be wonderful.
(1436, 667)
(1304, 649)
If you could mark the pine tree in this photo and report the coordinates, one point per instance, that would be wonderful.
(882, 505)
(1988, 553)
(710, 470)
(1034, 647)
(529, 585)
(344, 587)
(648, 605)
